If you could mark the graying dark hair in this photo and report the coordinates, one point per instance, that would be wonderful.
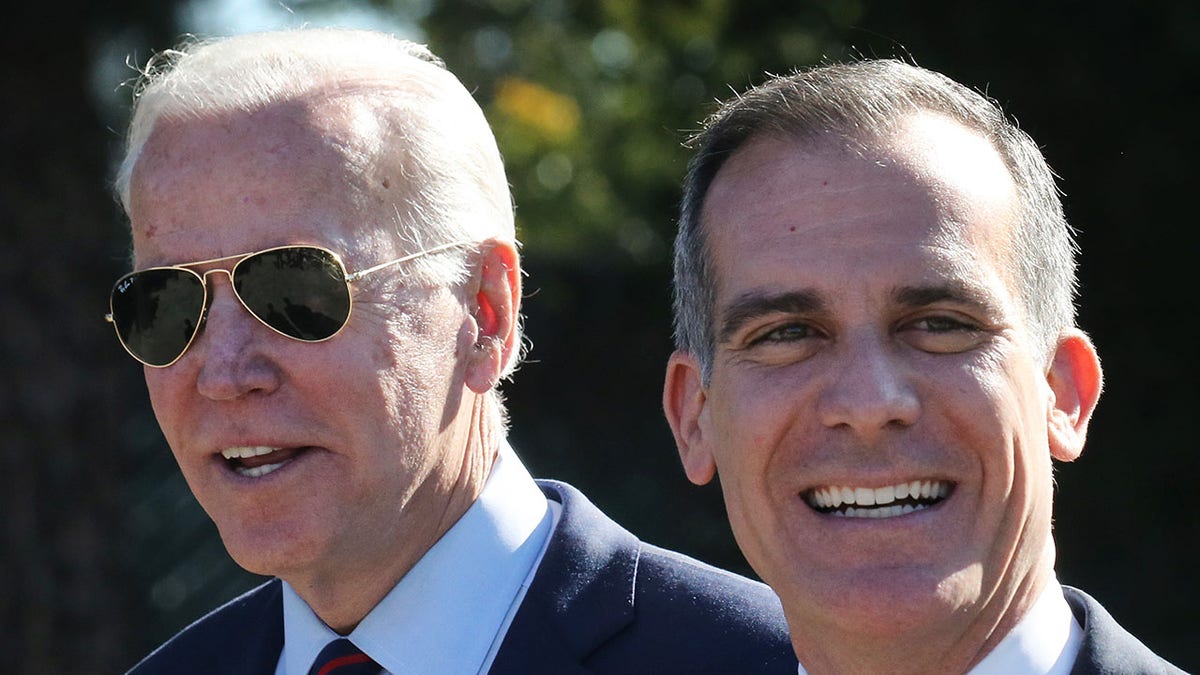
(859, 102)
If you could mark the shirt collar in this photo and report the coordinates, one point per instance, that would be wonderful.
(1045, 642)
(447, 613)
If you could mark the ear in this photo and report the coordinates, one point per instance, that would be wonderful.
(495, 312)
(684, 398)
(1075, 381)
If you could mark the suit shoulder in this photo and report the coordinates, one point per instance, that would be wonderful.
(673, 578)
(702, 619)
(617, 605)
(1107, 647)
(226, 639)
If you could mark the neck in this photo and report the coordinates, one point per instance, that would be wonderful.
(942, 647)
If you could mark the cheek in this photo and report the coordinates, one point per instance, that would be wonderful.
(752, 432)
(998, 412)
(165, 387)
(384, 355)
(978, 399)
(755, 408)
(412, 355)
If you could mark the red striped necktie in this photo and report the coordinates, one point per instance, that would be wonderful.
(341, 657)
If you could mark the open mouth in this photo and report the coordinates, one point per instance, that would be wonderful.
(884, 502)
(258, 461)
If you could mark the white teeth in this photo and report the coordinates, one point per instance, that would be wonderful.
(877, 502)
(245, 452)
(885, 495)
(257, 471)
(248, 452)
(880, 512)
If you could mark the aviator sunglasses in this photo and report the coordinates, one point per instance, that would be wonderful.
(301, 292)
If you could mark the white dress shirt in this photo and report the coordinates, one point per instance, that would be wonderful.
(450, 612)
(1045, 642)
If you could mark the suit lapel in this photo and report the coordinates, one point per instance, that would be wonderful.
(262, 635)
(582, 594)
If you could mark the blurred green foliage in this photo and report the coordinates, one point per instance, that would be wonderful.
(591, 100)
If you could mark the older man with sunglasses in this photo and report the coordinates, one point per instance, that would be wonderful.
(325, 295)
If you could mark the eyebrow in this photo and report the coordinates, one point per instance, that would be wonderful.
(754, 304)
(957, 292)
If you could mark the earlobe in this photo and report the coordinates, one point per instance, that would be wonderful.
(1075, 380)
(684, 399)
(495, 311)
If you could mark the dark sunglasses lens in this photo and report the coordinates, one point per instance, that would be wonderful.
(300, 292)
(157, 312)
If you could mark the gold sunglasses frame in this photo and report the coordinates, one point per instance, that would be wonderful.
(348, 277)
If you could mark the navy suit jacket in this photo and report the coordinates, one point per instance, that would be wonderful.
(601, 602)
(1107, 648)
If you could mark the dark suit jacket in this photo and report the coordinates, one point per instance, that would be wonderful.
(1107, 648)
(601, 602)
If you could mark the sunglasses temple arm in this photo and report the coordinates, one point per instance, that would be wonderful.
(412, 256)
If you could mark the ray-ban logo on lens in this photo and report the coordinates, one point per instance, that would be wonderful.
(124, 285)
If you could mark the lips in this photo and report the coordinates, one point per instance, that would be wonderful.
(256, 461)
(888, 501)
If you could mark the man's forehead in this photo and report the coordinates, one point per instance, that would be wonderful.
(283, 127)
(200, 178)
(954, 170)
(933, 192)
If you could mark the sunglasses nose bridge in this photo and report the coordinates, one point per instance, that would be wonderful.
(230, 334)
(217, 270)
(208, 287)
(210, 291)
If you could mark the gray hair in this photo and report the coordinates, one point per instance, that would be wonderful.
(455, 185)
(859, 102)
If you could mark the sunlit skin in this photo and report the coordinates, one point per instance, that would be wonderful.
(385, 426)
(867, 335)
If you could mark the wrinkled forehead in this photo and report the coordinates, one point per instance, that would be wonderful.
(201, 180)
(292, 134)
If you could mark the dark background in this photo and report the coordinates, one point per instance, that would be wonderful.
(105, 554)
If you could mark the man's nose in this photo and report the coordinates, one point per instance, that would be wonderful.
(870, 389)
(232, 347)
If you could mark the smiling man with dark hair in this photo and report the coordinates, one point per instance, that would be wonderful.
(877, 354)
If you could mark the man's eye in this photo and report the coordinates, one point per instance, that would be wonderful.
(780, 344)
(787, 333)
(942, 324)
(944, 335)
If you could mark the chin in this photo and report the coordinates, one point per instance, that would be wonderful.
(270, 549)
(883, 603)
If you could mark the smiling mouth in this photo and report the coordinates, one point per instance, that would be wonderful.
(885, 502)
(258, 461)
